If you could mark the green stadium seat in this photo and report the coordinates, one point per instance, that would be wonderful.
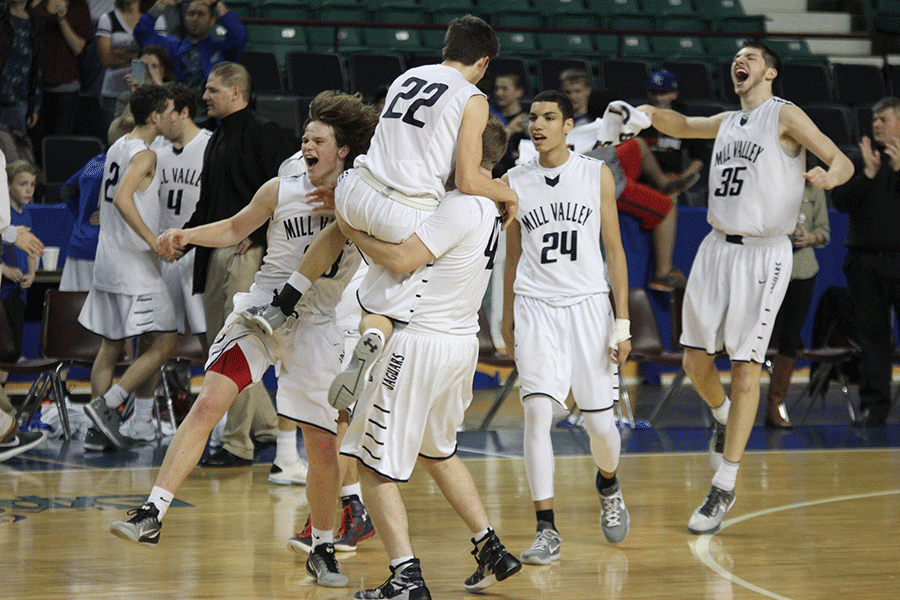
(683, 24)
(403, 40)
(321, 39)
(666, 8)
(615, 7)
(723, 47)
(607, 44)
(636, 46)
(565, 43)
(518, 43)
(674, 46)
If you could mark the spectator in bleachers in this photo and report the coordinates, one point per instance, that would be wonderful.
(677, 158)
(12, 441)
(116, 47)
(21, 37)
(508, 92)
(80, 193)
(158, 69)
(19, 267)
(197, 53)
(67, 33)
(576, 85)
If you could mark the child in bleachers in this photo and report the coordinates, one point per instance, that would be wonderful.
(18, 266)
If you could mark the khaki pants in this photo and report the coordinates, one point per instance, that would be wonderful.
(252, 416)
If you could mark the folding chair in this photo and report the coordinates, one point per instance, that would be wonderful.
(45, 386)
(189, 353)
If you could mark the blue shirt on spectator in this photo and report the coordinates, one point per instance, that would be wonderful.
(82, 191)
(14, 257)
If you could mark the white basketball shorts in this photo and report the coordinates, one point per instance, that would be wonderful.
(562, 348)
(421, 388)
(733, 295)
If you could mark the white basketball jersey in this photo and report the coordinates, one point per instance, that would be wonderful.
(125, 264)
(755, 187)
(414, 146)
(179, 180)
(291, 231)
(462, 233)
(559, 214)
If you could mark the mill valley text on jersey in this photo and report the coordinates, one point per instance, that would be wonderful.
(559, 211)
(744, 149)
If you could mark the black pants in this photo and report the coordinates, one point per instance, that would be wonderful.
(873, 281)
(792, 315)
(15, 310)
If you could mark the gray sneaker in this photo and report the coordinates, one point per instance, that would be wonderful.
(546, 546)
(106, 420)
(716, 445)
(708, 518)
(349, 384)
(323, 567)
(266, 318)
(614, 517)
(143, 526)
(95, 441)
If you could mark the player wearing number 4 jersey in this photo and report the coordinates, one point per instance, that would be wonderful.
(558, 322)
(179, 161)
(431, 128)
(742, 268)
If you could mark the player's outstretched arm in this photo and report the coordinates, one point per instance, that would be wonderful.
(235, 229)
(679, 126)
(142, 165)
(513, 253)
(470, 179)
(799, 127)
(616, 265)
(407, 256)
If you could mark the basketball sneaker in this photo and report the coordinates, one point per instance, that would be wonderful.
(143, 526)
(405, 583)
(614, 517)
(716, 445)
(546, 546)
(266, 318)
(139, 430)
(708, 518)
(356, 526)
(324, 568)
(106, 420)
(349, 384)
(495, 564)
(294, 474)
(19, 442)
(301, 543)
(94, 441)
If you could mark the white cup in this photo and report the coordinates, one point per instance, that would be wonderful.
(50, 258)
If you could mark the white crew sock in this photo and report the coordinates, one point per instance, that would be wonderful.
(721, 413)
(353, 489)
(320, 536)
(161, 499)
(143, 408)
(726, 475)
(286, 448)
(115, 396)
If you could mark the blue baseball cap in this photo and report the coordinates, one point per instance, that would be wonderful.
(663, 81)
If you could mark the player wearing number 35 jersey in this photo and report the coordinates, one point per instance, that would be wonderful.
(742, 268)
(558, 321)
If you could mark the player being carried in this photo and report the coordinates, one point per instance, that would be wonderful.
(431, 128)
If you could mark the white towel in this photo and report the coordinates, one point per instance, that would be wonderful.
(620, 123)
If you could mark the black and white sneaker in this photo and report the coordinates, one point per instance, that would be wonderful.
(349, 384)
(20, 442)
(266, 318)
(323, 567)
(405, 583)
(143, 526)
(708, 518)
(106, 420)
(94, 441)
(716, 445)
(494, 563)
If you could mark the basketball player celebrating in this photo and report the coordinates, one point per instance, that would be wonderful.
(426, 384)
(309, 346)
(742, 268)
(128, 295)
(558, 322)
(431, 127)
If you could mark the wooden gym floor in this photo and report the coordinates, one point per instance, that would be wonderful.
(816, 516)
